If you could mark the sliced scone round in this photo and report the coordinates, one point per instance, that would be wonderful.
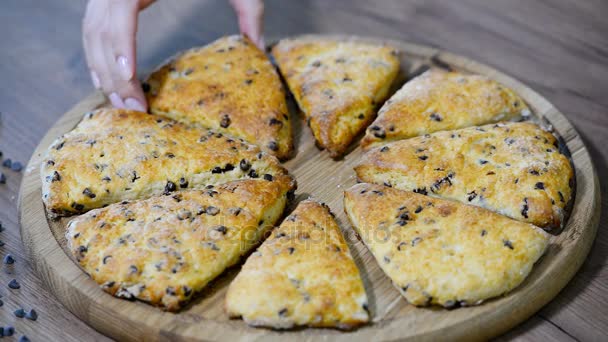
(439, 100)
(302, 275)
(115, 155)
(229, 86)
(337, 85)
(515, 169)
(442, 252)
(164, 249)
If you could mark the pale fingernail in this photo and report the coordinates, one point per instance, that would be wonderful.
(95, 80)
(132, 103)
(124, 68)
(116, 101)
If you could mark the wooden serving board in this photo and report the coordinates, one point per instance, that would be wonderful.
(324, 179)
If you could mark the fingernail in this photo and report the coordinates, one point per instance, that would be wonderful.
(116, 101)
(124, 68)
(95, 80)
(132, 103)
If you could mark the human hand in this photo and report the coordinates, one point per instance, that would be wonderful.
(109, 28)
(250, 15)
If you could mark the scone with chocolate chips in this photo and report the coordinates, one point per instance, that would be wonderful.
(441, 252)
(337, 85)
(165, 249)
(229, 86)
(302, 275)
(439, 100)
(514, 169)
(115, 155)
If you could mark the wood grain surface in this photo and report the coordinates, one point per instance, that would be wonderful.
(557, 47)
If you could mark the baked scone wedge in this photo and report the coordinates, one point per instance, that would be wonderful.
(441, 252)
(441, 100)
(229, 86)
(164, 249)
(115, 155)
(337, 85)
(302, 275)
(515, 169)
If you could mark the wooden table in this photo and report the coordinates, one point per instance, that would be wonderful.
(558, 47)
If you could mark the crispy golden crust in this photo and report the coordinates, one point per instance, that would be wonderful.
(438, 100)
(164, 249)
(303, 274)
(229, 86)
(514, 169)
(115, 155)
(337, 85)
(442, 252)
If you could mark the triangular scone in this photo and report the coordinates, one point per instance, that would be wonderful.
(115, 155)
(515, 169)
(164, 249)
(439, 251)
(302, 275)
(229, 86)
(439, 100)
(337, 85)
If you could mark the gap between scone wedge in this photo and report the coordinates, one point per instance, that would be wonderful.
(337, 84)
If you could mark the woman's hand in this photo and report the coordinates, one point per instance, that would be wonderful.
(109, 32)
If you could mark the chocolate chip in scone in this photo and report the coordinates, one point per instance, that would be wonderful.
(273, 146)
(524, 209)
(384, 149)
(225, 121)
(421, 191)
(228, 167)
(361, 116)
(423, 158)
(248, 81)
(221, 229)
(416, 241)
(378, 132)
(106, 258)
(561, 196)
(14, 284)
(183, 183)
(268, 177)
(275, 121)
(216, 170)
(133, 269)
(170, 187)
(484, 232)
(244, 165)
(507, 243)
(56, 177)
(418, 209)
(87, 192)
(471, 195)
(77, 206)
(291, 250)
(539, 186)
(435, 117)
(483, 161)
(211, 210)
(253, 174)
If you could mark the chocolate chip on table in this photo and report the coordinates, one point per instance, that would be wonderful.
(19, 313)
(24, 338)
(14, 284)
(1, 302)
(2, 178)
(17, 166)
(8, 259)
(7, 163)
(9, 330)
(32, 315)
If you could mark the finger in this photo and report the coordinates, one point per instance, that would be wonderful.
(122, 54)
(250, 14)
(90, 23)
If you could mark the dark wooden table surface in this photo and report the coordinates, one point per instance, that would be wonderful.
(558, 47)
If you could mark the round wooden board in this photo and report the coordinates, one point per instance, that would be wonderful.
(324, 179)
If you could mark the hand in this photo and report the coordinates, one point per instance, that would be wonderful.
(109, 30)
(250, 14)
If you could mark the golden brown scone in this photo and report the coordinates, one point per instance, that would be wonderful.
(337, 85)
(514, 169)
(442, 252)
(439, 100)
(229, 86)
(302, 275)
(164, 249)
(115, 155)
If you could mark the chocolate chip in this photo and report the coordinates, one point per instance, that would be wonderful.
(2, 178)
(423, 158)
(8, 259)
(274, 121)
(283, 312)
(183, 183)
(225, 121)
(106, 179)
(16, 166)
(77, 206)
(361, 116)
(228, 167)
(211, 210)
(19, 313)
(273, 146)
(416, 241)
(106, 258)
(268, 177)
(244, 165)
(534, 172)
(133, 269)
(32, 315)
(7, 163)
(187, 290)
(170, 187)
(507, 244)
(9, 330)
(14, 284)
(216, 169)
(248, 82)
(524, 210)
(539, 186)
(561, 196)
(419, 209)
(436, 117)
(471, 195)
(316, 64)
(291, 250)
(87, 192)
(145, 86)
(384, 149)
(421, 191)
(378, 132)
(483, 161)
(23, 338)
(221, 229)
